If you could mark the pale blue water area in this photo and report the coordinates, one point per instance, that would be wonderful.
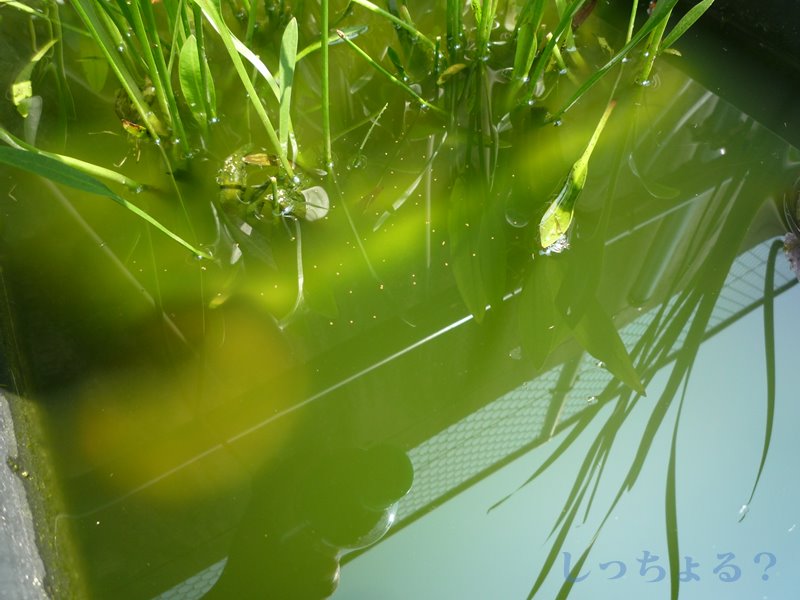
(460, 551)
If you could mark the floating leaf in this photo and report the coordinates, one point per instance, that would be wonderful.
(54, 170)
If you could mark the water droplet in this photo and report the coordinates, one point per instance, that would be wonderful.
(591, 400)
(213, 120)
(121, 48)
(743, 511)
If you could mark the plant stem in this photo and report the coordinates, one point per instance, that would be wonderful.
(326, 100)
(653, 43)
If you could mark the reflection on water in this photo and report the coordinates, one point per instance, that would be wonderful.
(222, 431)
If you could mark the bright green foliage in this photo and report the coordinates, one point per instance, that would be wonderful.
(558, 217)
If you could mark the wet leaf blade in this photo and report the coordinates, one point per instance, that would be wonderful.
(288, 61)
(191, 79)
(682, 26)
(56, 171)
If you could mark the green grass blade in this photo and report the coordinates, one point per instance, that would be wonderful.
(547, 51)
(661, 12)
(689, 19)
(769, 353)
(92, 21)
(388, 75)
(671, 503)
(350, 33)
(88, 168)
(57, 171)
(236, 49)
(288, 60)
(396, 21)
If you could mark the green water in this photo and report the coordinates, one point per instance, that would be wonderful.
(192, 412)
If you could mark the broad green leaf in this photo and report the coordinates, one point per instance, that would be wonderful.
(288, 59)
(685, 23)
(56, 171)
(190, 75)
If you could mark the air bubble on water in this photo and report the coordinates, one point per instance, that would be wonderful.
(592, 400)
(515, 218)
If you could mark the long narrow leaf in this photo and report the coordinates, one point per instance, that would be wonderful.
(288, 59)
(56, 171)
(661, 12)
(769, 352)
(685, 23)
(235, 48)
